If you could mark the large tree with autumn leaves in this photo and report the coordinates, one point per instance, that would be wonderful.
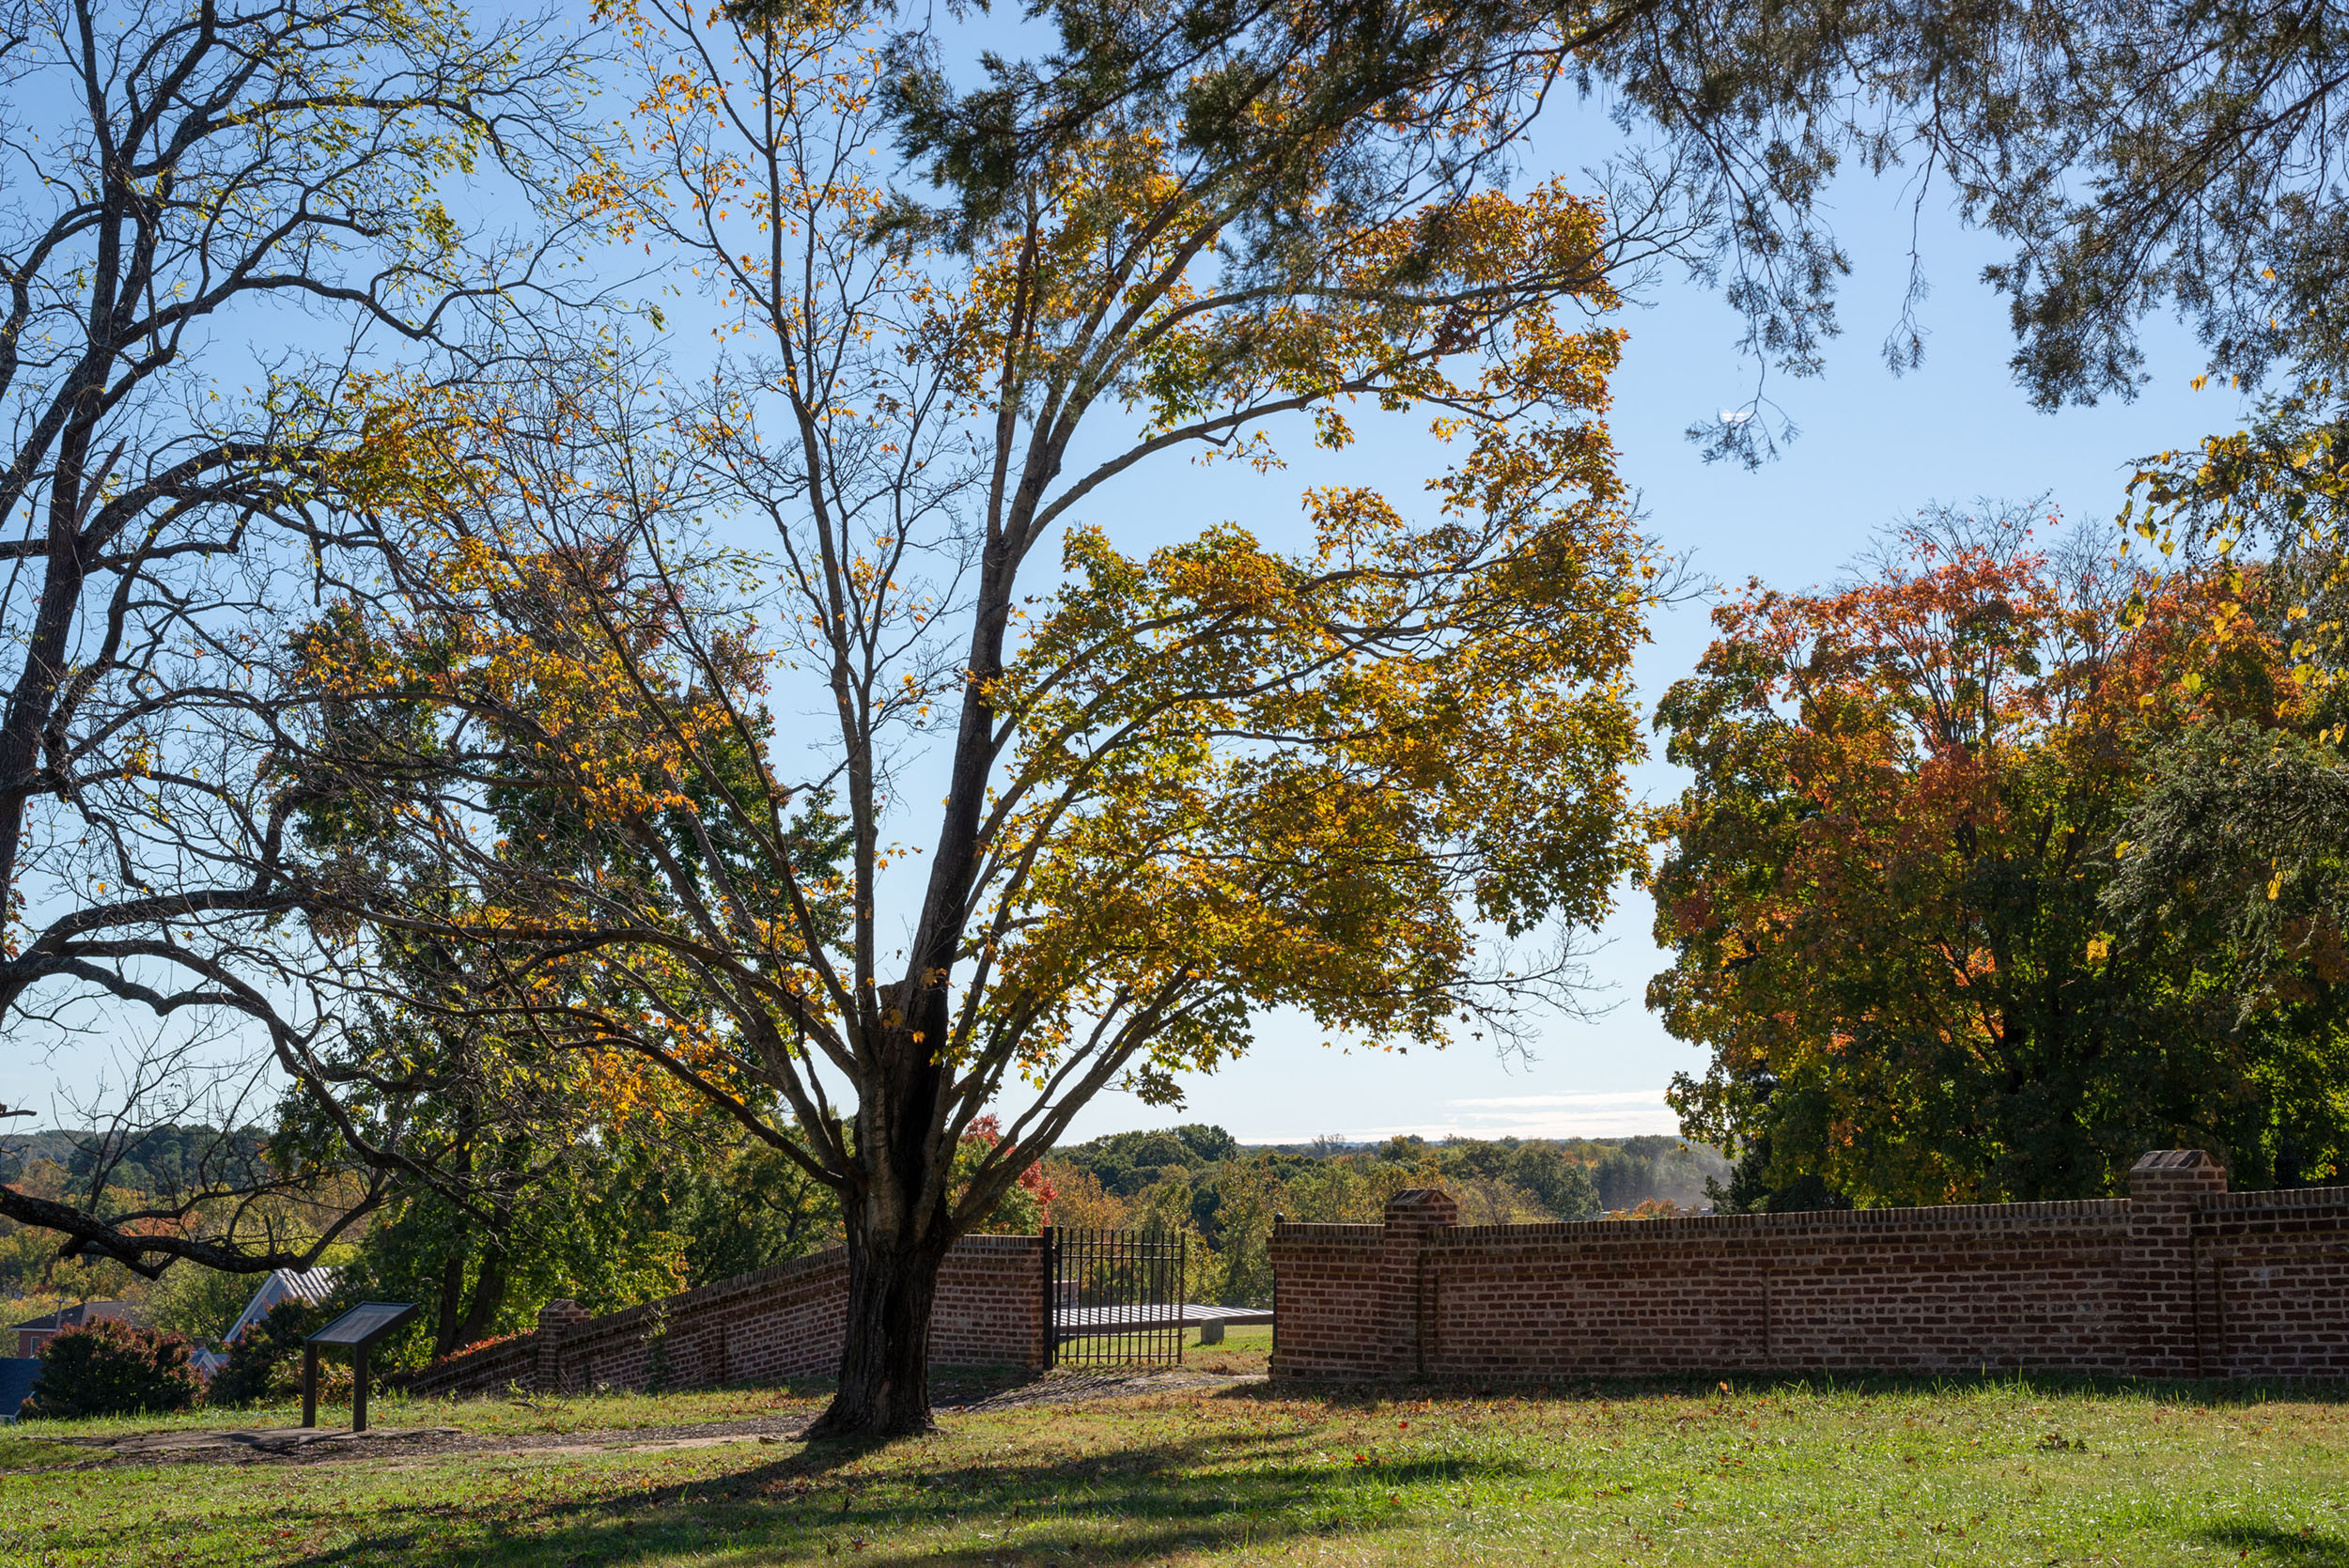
(1101, 805)
(1932, 895)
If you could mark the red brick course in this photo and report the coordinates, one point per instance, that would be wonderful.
(763, 1327)
(2271, 1283)
(2180, 1278)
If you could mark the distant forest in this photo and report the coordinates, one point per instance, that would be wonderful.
(155, 1160)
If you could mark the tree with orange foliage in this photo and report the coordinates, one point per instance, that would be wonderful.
(1173, 785)
(1883, 891)
(1027, 1203)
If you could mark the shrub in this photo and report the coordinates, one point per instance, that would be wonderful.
(113, 1368)
(266, 1362)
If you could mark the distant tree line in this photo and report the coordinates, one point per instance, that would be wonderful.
(1197, 1180)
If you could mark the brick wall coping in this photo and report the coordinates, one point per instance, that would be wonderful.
(2086, 1211)
(2002, 1216)
(1360, 1235)
(759, 1279)
(993, 1242)
(524, 1345)
(471, 1362)
(717, 1290)
(2284, 1197)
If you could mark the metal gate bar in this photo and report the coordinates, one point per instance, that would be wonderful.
(1114, 1297)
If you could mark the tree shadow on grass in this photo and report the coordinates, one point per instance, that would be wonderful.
(2267, 1542)
(1132, 1503)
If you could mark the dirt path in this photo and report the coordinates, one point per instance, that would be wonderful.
(1084, 1387)
(300, 1444)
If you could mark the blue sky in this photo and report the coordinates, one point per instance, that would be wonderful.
(1872, 447)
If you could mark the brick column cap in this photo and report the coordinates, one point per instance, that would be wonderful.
(1428, 1205)
(563, 1313)
(2174, 1159)
(2172, 1176)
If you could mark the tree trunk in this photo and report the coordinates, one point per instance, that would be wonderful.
(885, 1360)
(489, 1292)
(444, 1340)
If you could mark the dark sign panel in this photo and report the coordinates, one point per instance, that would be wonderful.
(365, 1323)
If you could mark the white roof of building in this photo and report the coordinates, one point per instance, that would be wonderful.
(1072, 1321)
(312, 1285)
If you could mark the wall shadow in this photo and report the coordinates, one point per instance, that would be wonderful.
(2269, 1543)
(1356, 1394)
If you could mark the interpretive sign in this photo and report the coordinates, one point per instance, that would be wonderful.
(357, 1328)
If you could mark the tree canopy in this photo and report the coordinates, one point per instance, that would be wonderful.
(219, 223)
(1895, 892)
(2136, 157)
(1176, 785)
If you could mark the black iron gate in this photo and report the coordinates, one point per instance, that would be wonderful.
(1113, 1297)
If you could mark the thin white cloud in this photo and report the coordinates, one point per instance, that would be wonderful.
(1625, 1114)
(1563, 1102)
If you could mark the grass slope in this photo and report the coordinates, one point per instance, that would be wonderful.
(1764, 1474)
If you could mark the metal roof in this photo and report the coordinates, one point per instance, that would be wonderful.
(309, 1285)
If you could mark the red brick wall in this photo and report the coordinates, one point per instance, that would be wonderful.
(2272, 1277)
(2180, 1278)
(1329, 1316)
(479, 1371)
(765, 1326)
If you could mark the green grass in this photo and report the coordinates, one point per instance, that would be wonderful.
(1966, 1473)
(1243, 1350)
(23, 1453)
(517, 1414)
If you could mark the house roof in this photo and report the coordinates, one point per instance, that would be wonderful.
(16, 1382)
(311, 1285)
(73, 1317)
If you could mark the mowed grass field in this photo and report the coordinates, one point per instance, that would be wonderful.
(1982, 1472)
